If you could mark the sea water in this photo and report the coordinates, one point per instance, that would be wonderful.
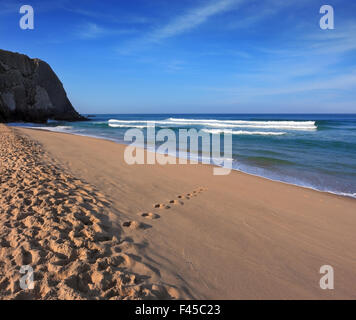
(311, 150)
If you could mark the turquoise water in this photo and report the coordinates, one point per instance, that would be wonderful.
(312, 150)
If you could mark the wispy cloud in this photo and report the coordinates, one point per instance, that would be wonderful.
(342, 82)
(313, 65)
(90, 30)
(186, 22)
(261, 10)
(192, 19)
(338, 41)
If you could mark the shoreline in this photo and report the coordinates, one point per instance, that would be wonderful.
(338, 194)
(216, 237)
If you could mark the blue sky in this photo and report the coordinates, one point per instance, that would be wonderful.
(179, 56)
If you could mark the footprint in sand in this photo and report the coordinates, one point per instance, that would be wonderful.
(175, 202)
(192, 194)
(134, 225)
(150, 215)
(183, 197)
(161, 206)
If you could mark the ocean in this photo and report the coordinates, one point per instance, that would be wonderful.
(315, 151)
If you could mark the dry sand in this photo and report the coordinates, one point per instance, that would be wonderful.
(174, 231)
(60, 226)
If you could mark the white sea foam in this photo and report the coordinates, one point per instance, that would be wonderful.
(241, 132)
(126, 121)
(281, 125)
(296, 123)
(288, 125)
(115, 125)
(55, 129)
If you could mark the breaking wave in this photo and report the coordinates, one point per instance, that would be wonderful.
(241, 132)
(281, 125)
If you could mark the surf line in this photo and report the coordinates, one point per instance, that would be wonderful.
(167, 152)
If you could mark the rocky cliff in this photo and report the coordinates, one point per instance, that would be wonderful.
(30, 91)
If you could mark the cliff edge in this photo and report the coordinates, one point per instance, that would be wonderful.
(30, 91)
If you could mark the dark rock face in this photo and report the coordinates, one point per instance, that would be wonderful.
(30, 91)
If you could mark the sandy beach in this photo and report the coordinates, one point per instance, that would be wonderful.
(94, 227)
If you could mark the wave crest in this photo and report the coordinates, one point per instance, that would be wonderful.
(281, 125)
(241, 132)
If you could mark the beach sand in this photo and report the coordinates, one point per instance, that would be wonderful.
(94, 227)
